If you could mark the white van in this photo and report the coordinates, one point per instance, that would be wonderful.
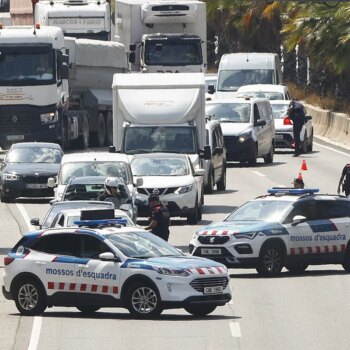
(248, 128)
(239, 69)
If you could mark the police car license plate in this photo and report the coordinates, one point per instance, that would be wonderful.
(213, 290)
(279, 137)
(36, 186)
(208, 251)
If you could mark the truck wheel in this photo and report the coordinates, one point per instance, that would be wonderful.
(88, 309)
(221, 185)
(144, 300)
(210, 185)
(30, 297)
(99, 136)
(109, 129)
(270, 260)
(83, 140)
(200, 310)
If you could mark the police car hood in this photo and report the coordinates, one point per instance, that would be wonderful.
(33, 168)
(234, 227)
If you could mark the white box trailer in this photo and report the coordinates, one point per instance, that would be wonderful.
(159, 112)
(170, 36)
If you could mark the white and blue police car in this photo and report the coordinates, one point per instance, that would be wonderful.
(101, 265)
(290, 228)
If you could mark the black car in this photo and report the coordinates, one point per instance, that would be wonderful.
(26, 168)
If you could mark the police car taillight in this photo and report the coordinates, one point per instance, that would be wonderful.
(8, 260)
(287, 121)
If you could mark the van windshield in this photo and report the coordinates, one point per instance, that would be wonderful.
(231, 80)
(229, 112)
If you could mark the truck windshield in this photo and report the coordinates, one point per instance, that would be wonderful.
(179, 52)
(231, 80)
(26, 66)
(177, 139)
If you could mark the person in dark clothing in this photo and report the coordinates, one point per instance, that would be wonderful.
(160, 218)
(297, 115)
(346, 184)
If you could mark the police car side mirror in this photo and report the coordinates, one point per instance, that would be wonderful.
(298, 219)
(108, 256)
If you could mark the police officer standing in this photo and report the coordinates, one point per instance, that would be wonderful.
(297, 115)
(160, 218)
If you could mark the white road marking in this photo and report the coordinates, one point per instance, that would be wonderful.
(35, 335)
(258, 173)
(235, 329)
(25, 217)
(332, 149)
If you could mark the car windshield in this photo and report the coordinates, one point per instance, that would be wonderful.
(147, 166)
(279, 111)
(79, 169)
(261, 210)
(34, 155)
(141, 245)
(229, 112)
(262, 94)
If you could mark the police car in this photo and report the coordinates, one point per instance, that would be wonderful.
(290, 228)
(93, 267)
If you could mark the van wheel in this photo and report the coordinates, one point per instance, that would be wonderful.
(210, 185)
(221, 185)
(254, 156)
(109, 129)
(268, 159)
(99, 136)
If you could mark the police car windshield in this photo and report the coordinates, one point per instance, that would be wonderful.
(261, 210)
(142, 245)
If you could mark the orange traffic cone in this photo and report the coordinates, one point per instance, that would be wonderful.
(303, 165)
(300, 177)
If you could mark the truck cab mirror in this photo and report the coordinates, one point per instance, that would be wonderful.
(139, 182)
(207, 152)
(64, 72)
(132, 57)
(51, 182)
(63, 65)
(211, 89)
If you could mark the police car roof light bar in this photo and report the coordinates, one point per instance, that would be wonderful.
(101, 223)
(295, 191)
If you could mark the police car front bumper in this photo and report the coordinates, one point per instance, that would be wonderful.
(6, 294)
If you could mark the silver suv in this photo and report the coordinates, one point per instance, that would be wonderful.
(215, 167)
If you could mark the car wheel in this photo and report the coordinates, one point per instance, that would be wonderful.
(30, 297)
(254, 156)
(268, 159)
(304, 146)
(270, 260)
(144, 300)
(221, 185)
(88, 309)
(192, 217)
(6, 199)
(99, 137)
(200, 310)
(210, 185)
(199, 213)
(296, 268)
(310, 145)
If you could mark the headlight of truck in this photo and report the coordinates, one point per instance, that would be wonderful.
(172, 272)
(47, 118)
(244, 137)
(10, 177)
(184, 189)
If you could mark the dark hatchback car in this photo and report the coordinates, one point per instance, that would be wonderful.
(26, 169)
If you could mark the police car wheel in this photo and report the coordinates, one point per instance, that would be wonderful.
(270, 260)
(346, 263)
(200, 310)
(296, 268)
(144, 300)
(88, 309)
(30, 298)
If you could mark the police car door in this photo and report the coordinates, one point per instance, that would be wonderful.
(95, 278)
(54, 262)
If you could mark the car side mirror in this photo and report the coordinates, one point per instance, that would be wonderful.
(308, 117)
(218, 150)
(199, 172)
(298, 219)
(108, 256)
(51, 182)
(211, 89)
(207, 152)
(260, 122)
(139, 182)
(35, 222)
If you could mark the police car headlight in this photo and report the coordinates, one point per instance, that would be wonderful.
(249, 235)
(184, 189)
(47, 118)
(172, 272)
(244, 137)
(10, 177)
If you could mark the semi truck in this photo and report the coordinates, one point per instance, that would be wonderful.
(163, 36)
(160, 112)
(89, 19)
(35, 99)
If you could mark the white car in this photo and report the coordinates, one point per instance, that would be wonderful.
(290, 228)
(127, 267)
(269, 91)
(92, 164)
(179, 185)
(284, 128)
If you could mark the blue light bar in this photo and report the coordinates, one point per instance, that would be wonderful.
(96, 223)
(296, 191)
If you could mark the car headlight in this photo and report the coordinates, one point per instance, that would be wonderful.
(184, 189)
(10, 177)
(172, 272)
(249, 235)
(47, 118)
(245, 137)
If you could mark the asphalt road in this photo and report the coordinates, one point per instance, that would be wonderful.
(310, 311)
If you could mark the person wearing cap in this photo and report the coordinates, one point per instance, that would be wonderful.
(298, 183)
(160, 218)
(297, 115)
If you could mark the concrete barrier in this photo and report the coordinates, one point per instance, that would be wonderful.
(320, 119)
